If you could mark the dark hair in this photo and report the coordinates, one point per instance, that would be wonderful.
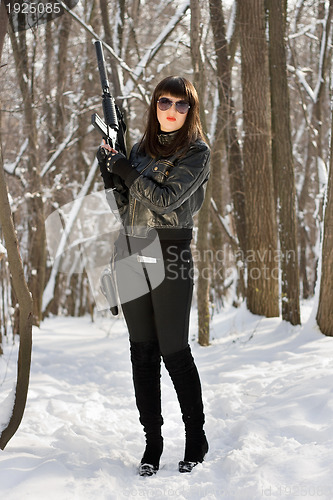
(181, 88)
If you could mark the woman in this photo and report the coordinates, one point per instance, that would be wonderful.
(158, 190)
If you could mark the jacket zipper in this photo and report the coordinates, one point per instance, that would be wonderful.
(132, 222)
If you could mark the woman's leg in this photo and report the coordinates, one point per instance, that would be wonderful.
(172, 301)
(186, 381)
(172, 304)
(146, 370)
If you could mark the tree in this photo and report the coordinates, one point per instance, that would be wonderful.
(283, 164)
(262, 279)
(20, 288)
(226, 137)
(36, 231)
(204, 214)
(227, 118)
(311, 117)
(325, 309)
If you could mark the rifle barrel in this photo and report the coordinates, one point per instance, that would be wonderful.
(101, 66)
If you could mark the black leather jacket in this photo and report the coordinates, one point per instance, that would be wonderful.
(167, 193)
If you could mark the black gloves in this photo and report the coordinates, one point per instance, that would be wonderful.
(110, 163)
(101, 156)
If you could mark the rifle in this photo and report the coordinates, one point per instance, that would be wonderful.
(113, 127)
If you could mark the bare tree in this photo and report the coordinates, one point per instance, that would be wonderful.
(36, 231)
(20, 287)
(228, 118)
(311, 124)
(325, 309)
(202, 244)
(262, 280)
(283, 164)
(227, 135)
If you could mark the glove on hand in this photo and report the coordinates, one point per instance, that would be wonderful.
(101, 156)
(115, 163)
(112, 159)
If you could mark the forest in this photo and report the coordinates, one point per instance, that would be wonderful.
(262, 69)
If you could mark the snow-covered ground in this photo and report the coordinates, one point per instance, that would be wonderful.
(268, 393)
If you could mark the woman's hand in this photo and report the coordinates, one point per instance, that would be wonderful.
(103, 152)
(108, 148)
(102, 155)
(112, 162)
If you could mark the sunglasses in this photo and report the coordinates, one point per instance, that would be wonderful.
(181, 106)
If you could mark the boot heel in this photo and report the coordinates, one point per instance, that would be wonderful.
(147, 470)
(185, 466)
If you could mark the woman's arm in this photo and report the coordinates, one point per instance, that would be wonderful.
(184, 179)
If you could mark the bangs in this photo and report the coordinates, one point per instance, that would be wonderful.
(174, 86)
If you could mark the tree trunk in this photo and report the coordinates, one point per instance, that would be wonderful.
(325, 309)
(216, 236)
(204, 271)
(3, 25)
(228, 120)
(283, 163)
(226, 136)
(199, 78)
(25, 308)
(114, 75)
(62, 65)
(262, 279)
(202, 244)
(310, 197)
(21, 290)
(36, 232)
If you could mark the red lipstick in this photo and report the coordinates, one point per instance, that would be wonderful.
(171, 118)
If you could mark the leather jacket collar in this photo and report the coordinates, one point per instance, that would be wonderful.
(166, 137)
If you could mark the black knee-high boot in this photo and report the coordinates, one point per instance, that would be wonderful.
(186, 381)
(146, 367)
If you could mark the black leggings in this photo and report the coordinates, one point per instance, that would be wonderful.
(162, 312)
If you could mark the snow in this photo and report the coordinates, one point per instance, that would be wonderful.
(11, 167)
(268, 399)
(3, 251)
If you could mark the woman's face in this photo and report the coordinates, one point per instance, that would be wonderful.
(170, 120)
